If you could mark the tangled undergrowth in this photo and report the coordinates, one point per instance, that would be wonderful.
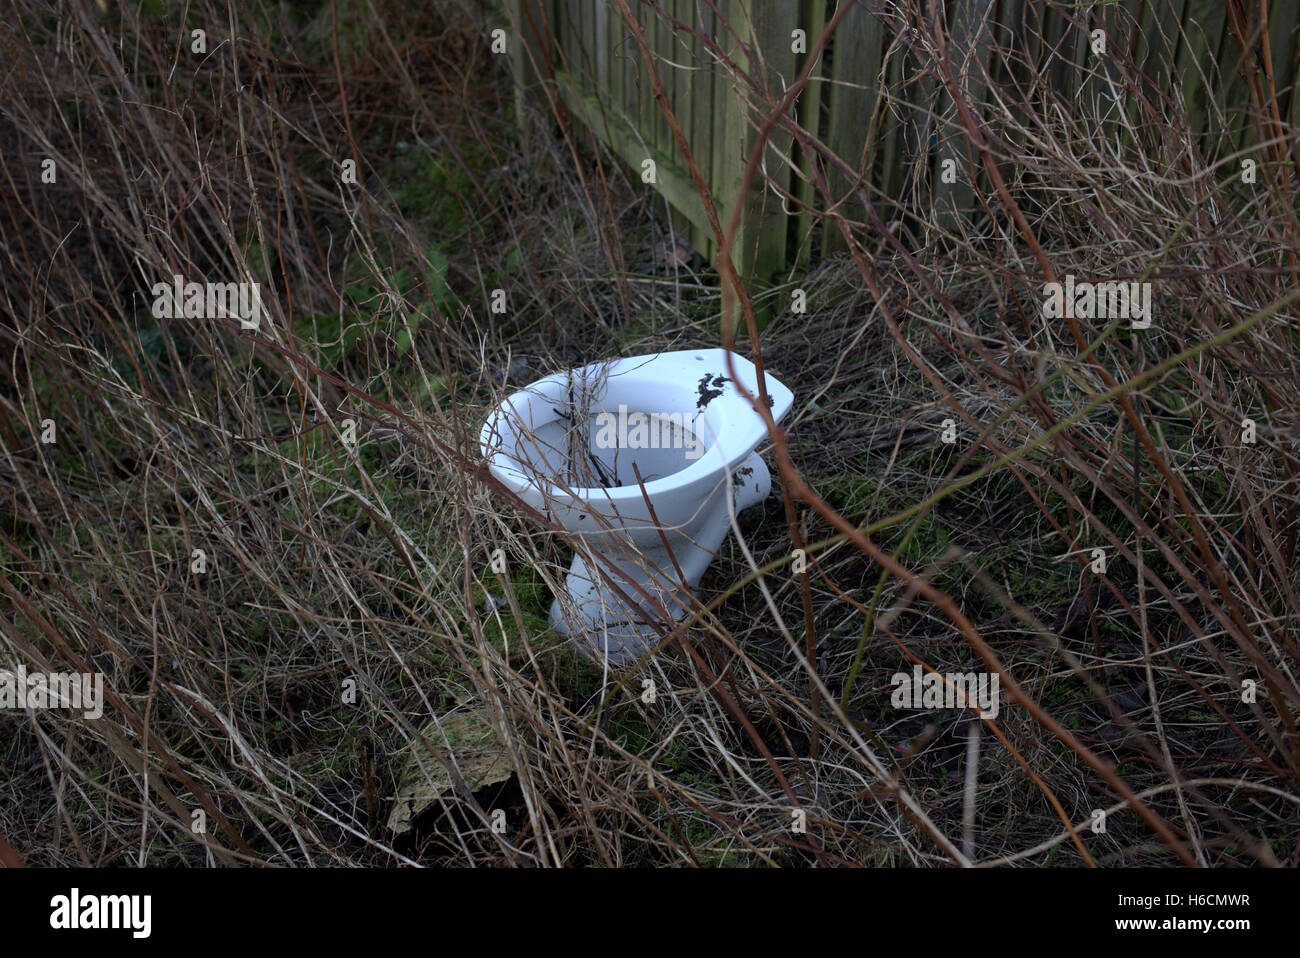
(277, 543)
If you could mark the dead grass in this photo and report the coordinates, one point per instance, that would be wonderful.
(333, 567)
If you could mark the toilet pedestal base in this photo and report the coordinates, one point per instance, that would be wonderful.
(604, 625)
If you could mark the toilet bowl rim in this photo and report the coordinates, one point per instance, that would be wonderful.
(730, 410)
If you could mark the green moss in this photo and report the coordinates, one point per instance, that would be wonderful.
(851, 496)
(385, 313)
(534, 605)
(433, 187)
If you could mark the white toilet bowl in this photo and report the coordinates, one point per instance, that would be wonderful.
(679, 419)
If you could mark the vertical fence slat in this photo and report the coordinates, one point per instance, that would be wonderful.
(893, 127)
(677, 91)
(664, 46)
(682, 103)
(1141, 44)
(763, 234)
(972, 34)
(1230, 87)
(1068, 35)
(1280, 37)
(1030, 28)
(702, 112)
(641, 81)
(1282, 23)
(600, 47)
(720, 105)
(1202, 23)
(651, 116)
(1165, 54)
(681, 54)
(570, 43)
(626, 53)
(522, 73)
(854, 74)
(813, 20)
(613, 93)
(921, 131)
(587, 32)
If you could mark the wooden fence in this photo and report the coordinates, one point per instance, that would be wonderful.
(872, 100)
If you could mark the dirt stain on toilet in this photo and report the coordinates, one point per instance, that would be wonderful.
(710, 391)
